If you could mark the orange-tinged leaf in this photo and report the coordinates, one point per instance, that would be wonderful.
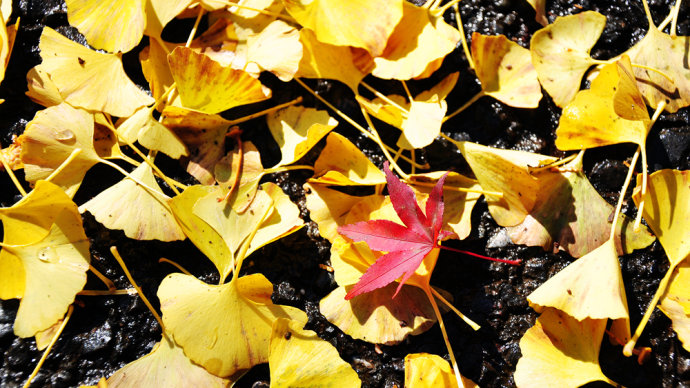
(50, 138)
(297, 129)
(560, 53)
(560, 351)
(207, 86)
(505, 70)
(569, 214)
(668, 54)
(111, 25)
(507, 172)
(165, 366)
(276, 49)
(27, 222)
(322, 60)
(676, 302)
(423, 370)
(341, 163)
(299, 358)
(203, 134)
(591, 287)
(224, 328)
(141, 214)
(592, 118)
(89, 79)
(417, 46)
(357, 23)
(201, 234)
(55, 270)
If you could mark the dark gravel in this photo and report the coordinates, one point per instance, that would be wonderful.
(105, 333)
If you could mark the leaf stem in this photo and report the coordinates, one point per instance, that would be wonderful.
(264, 112)
(619, 205)
(638, 219)
(137, 181)
(462, 316)
(465, 105)
(108, 283)
(438, 12)
(674, 22)
(288, 168)
(236, 135)
(380, 142)
(385, 98)
(496, 194)
(126, 291)
(429, 295)
(190, 38)
(648, 14)
(638, 65)
(50, 347)
(176, 265)
(143, 297)
(287, 18)
(461, 29)
(513, 262)
(13, 177)
(245, 247)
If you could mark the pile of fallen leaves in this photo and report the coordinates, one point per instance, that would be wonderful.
(385, 232)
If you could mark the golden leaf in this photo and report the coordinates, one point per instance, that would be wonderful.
(113, 26)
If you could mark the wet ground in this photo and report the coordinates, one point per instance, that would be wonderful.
(105, 333)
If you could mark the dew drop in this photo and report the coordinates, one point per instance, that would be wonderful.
(46, 254)
(64, 135)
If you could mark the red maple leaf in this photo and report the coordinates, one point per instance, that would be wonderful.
(406, 245)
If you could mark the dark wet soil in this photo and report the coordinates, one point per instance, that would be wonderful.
(105, 333)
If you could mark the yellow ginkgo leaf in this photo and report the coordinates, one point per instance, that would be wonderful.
(507, 172)
(540, 9)
(113, 25)
(154, 66)
(322, 60)
(458, 204)
(140, 213)
(203, 134)
(51, 138)
(560, 53)
(283, 219)
(297, 129)
(357, 23)
(252, 171)
(423, 370)
(569, 214)
(224, 328)
(44, 337)
(201, 234)
(207, 86)
(89, 79)
(560, 351)
(5, 45)
(55, 270)
(165, 366)
(592, 120)
(341, 163)
(420, 119)
(41, 88)
(276, 49)
(667, 209)
(160, 12)
(299, 358)
(26, 222)
(676, 302)
(591, 287)
(417, 46)
(668, 54)
(328, 208)
(505, 70)
(151, 133)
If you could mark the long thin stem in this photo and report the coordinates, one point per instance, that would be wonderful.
(245, 247)
(557, 163)
(11, 174)
(75, 152)
(513, 262)
(108, 283)
(438, 12)
(135, 180)
(619, 205)
(630, 346)
(126, 291)
(143, 297)
(288, 168)
(638, 65)
(462, 316)
(465, 106)
(176, 265)
(674, 23)
(50, 347)
(385, 98)
(461, 29)
(638, 219)
(379, 141)
(453, 362)
(287, 18)
(190, 38)
(351, 122)
(648, 14)
(264, 112)
(496, 194)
